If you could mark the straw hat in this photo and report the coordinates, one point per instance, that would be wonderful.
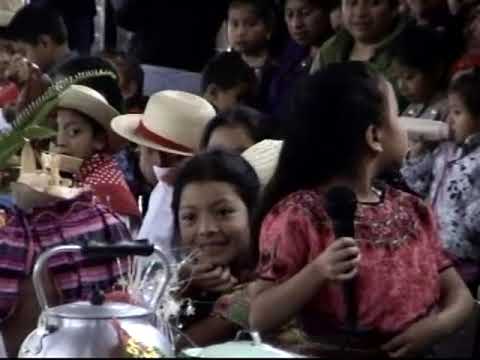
(263, 157)
(173, 122)
(8, 8)
(91, 103)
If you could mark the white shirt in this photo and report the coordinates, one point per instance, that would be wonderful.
(157, 226)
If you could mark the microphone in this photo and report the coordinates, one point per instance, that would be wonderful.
(341, 205)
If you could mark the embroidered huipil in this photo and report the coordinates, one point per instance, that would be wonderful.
(398, 279)
(25, 236)
(450, 177)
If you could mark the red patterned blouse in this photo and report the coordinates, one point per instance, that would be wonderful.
(399, 273)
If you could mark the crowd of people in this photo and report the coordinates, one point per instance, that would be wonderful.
(311, 96)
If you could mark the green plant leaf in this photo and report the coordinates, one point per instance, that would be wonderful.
(38, 132)
(9, 145)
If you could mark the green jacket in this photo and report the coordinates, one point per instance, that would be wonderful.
(338, 48)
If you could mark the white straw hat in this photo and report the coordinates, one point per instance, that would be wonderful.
(173, 122)
(91, 103)
(263, 157)
(8, 9)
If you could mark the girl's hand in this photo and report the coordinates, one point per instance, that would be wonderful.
(206, 276)
(339, 261)
(415, 339)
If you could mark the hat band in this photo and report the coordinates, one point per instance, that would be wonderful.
(142, 131)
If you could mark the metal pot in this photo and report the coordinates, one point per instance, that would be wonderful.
(88, 329)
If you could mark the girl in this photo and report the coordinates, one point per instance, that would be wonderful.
(420, 66)
(235, 130)
(250, 29)
(213, 201)
(303, 266)
(448, 176)
(83, 131)
(369, 28)
(308, 23)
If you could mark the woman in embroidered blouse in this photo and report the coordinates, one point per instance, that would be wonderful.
(213, 200)
(406, 292)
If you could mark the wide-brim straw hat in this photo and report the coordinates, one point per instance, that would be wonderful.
(8, 9)
(263, 157)
(173, 122)
(92, 104)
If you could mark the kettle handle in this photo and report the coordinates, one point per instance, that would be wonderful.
(98, 250)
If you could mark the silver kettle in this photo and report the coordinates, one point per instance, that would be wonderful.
(90, 328)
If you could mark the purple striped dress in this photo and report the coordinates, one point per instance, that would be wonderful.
(24, 236)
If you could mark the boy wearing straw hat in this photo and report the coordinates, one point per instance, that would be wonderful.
(168, 131)
(83, 131)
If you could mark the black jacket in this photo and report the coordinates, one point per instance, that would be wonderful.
(173, 33)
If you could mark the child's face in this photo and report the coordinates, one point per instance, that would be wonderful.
(40, 54)
(76, 136)
(230, 138)
(460, 121)
(336, 19)
(148, 159)
(394, 137)
(247, 33)
(308, 25)
(413, 84)
(214, 219)
(224, 100)
(368, 21)
(472, 30)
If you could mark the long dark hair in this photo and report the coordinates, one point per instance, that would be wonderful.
(325, 135)
(222, 166)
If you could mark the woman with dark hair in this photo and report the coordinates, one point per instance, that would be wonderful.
(308, 24)
(346, 132)
(368, 29)
(235, 130)
(214, 197)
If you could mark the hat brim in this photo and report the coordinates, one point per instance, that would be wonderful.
(99, 112)
(126, 126)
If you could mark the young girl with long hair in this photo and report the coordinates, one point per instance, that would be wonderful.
(406, 295)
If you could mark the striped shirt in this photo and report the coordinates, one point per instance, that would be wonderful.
(25, 236)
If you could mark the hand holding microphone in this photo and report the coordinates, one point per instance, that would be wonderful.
(341, 206)
(340, 260)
